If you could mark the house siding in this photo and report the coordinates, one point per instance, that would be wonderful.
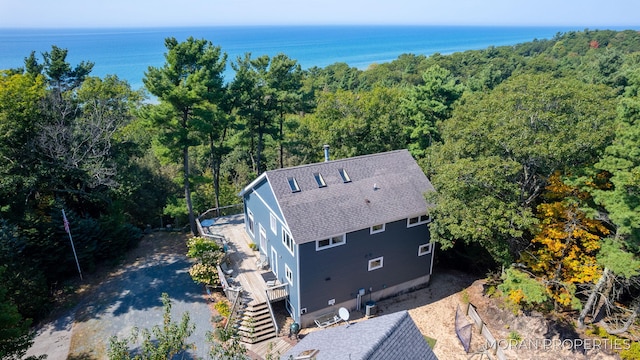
(262, 203)
(339, 272)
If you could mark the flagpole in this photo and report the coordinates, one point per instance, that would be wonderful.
(66, 228)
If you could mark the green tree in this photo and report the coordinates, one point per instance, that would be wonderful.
(227, 345)
(501, 147)
(61, 76)
(620, 199)
(190, 80)
(15, 334)
(161, 342)
(285, 83)
(428, 105)
(20, 117)
(250, 98)
(355, 123)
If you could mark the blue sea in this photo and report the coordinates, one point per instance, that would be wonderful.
(128, 53)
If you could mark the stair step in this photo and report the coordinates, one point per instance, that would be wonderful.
(256, 311)
(257, 319)
(258, 338)
(255, 328)
(257, 306)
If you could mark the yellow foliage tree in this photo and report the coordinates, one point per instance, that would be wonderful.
(563, 252)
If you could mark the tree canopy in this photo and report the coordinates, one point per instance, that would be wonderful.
(532, 148)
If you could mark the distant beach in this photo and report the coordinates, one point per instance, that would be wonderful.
(128, 53)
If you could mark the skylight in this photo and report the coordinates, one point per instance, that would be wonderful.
(293, 184)
(319, 180)
(343, 174)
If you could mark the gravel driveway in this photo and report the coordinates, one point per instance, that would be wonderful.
(131, 297)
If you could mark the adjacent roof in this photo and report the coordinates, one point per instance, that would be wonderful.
(384, 187)
(393, 336)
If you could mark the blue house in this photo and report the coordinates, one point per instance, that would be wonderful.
(342, 233)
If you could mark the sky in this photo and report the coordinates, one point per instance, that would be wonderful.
(161, 13)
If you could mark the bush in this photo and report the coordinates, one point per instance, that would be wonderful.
(222, 307)
(521, 289)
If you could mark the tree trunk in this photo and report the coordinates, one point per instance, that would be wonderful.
(281, 139)
(259, 151)
(185, 167)
(216, 160)
(187, 192)
(604, 297)
(589, 305)
(627, 323)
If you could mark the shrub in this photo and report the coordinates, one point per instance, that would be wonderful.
(222, 307)
(521, 289)
(205, 274)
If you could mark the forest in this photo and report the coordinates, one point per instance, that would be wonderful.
(534, 150)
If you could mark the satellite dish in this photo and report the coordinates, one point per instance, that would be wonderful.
(343, 313)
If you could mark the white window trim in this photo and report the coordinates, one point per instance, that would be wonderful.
(344, 241)
(425, 249)
(273, 223)
(285, 233)
(262, 236)
(274, 261)
(371, 231)
(288, 274)
(252, 225)
(372, 267)
(419, 222)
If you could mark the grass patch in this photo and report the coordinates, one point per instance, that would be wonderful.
(431, 342)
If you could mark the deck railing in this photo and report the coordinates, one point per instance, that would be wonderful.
(222, 211)
(213, 213)
(277, 292)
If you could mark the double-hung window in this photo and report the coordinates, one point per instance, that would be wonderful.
(251, 224)
(287, 240)
(288, 274)
(273, 223)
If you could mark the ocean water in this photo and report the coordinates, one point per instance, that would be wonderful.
(128, 53)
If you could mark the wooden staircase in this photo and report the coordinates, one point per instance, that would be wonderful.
(255, 324)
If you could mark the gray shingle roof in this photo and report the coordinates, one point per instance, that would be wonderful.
(384, 187)
(393, 336)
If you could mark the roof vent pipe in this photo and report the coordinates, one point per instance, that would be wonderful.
(326, 152)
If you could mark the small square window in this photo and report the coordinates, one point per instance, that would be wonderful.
(424, 249)
(377, 228)
(376, 263)
(323, 243)
(337, 240)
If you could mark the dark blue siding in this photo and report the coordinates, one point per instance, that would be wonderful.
(338, 272)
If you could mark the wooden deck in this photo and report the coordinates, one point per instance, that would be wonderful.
(243, 260)
(247, 275)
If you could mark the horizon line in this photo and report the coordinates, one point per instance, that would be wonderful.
(141, 27)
